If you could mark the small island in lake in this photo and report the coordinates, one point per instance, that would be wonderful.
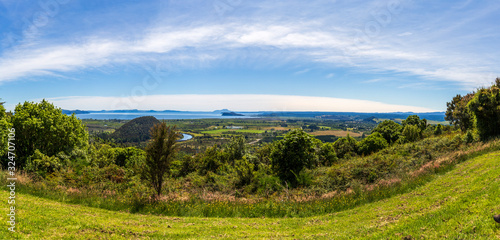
(231, 114)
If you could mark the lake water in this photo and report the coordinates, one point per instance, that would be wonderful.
(158, 115)
(186, 137)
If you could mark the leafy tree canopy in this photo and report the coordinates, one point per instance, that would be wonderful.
(411, 133)
(389, 130)
(416, 121)
(293, 153)
(44, 127)
(372, 143)
(485, 109)
(457, 112)
(159, 154)
(346, 146)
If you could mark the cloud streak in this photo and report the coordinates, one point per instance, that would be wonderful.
(310, 41)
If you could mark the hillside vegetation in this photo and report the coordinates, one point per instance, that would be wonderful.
(137, 130)
(455, 205)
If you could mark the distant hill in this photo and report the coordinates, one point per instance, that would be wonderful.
(353, 116)
(136, 130)
(222, 111)
(69, 112)
(231, 114)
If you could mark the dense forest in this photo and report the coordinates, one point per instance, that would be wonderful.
(294, 175)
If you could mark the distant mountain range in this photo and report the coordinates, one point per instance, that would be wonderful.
(135, 111)
(346, 116)
(435, 116)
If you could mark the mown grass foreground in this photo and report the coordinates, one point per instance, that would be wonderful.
(456, 205)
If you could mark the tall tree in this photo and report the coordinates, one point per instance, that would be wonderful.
(389, 129)
(159, 154)
(292, 154)
(44, 127)
(416, 121)
(485, 109)
(346, 146)
(457, 112)
(372, 143)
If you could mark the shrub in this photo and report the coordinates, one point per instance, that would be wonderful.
(245, 171)
(389, 130)
(439, 130)
(235, 149)
(411, 133)
(304, 178)
(290, 155)
(42, 164)
(346, 147)
(470, 137)
(212, 159)
(266, 183)
(101, 155)
(189, 164)
(327, 155)
(372, 143)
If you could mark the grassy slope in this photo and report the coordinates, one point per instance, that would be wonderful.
(457, 205)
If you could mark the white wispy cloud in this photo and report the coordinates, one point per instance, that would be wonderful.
(302, 71)
(319, 39)
(405, 34)
(238, 102)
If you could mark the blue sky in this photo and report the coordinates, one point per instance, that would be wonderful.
(363, 56)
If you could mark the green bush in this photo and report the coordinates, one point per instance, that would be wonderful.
(42, 164)
(346, 147)
(235, 149)
(470, 137)
(212, 159)
(290, 155)
(439, 130)
(265, 183)
(411, 133)
(188, 165)
(101, 155)
(304, 178)
(389, 130)
(327, 155)
(245, 171)
(372, 143)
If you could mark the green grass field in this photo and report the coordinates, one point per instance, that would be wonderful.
(456, 205)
